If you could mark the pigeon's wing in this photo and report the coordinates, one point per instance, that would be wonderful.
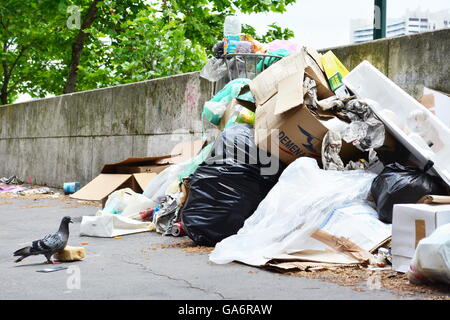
(50, 242)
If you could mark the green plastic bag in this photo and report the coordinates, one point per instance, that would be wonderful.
(195, 162)
(230, 91)
(266, 62)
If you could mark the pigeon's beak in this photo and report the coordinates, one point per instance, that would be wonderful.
(70, 221)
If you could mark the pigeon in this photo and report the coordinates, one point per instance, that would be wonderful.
(48, 245)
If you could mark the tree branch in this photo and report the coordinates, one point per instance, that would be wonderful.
(77, 47)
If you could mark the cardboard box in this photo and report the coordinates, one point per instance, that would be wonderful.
(135, 173)
(284, 126)
(410, 224)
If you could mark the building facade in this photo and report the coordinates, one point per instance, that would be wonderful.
(413, 22)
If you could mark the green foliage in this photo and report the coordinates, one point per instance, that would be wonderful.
(147, 39)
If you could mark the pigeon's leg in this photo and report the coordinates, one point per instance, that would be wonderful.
(49, 260)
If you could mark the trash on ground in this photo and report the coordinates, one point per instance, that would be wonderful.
(109, 225)
(71, 187)
(70, 253)
(403, 184)
(292, 211)
(47, 270)
(13, 189)
(43, 190)
(410, 224)
(11, 180)
(135, 173)
(412, 124)
(431, 261)
(227, 188)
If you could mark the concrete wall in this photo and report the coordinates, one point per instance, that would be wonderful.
(412, 62)
(70, 137)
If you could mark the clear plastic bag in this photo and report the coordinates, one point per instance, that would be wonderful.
(158, 186)
(127, 203)
(214, 70)
(297, 205)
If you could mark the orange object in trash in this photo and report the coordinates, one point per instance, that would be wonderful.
(84, 243)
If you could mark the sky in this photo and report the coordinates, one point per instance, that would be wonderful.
(326, 23)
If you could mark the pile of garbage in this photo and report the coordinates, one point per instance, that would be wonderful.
(314, 165)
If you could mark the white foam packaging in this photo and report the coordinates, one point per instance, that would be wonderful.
(416, 127)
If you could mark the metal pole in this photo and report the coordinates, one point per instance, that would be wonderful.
(379, 21)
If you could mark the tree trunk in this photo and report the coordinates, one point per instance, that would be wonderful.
(77, 47)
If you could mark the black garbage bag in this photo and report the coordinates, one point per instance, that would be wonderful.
(225, 190)
(403, 184)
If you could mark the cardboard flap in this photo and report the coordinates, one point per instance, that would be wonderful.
(264, 85)
(101, 186)
(427, 100)
(143, 179)
(185, 151)
(290, 93)
(181, 152)
(316, 56)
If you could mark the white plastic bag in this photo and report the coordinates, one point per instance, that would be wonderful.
(158, 186)
(297, 205)
(127, 203)
(431, 261)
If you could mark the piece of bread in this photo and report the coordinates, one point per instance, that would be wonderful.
(70, 254)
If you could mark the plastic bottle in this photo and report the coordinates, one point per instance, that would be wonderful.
(232, 26)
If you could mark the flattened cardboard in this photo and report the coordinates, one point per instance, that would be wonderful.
(324, 256)
(95, 190)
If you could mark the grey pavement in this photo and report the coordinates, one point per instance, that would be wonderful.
(136, 267)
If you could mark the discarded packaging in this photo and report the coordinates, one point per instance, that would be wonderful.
(431, 261)
(227, 188)
(127, 203)
(403, 115)
(71, 187)
(111, 225)
(47, 270)
(70, 254)
(410, 224)
(135, 173)
(334, 70)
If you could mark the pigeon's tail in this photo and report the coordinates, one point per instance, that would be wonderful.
(24, 252)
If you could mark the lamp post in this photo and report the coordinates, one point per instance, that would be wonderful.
(379, 21)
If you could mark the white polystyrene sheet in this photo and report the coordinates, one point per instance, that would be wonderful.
(112, 225)
(394, 106)
(295, 207)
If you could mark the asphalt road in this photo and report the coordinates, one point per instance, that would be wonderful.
(138, 266)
